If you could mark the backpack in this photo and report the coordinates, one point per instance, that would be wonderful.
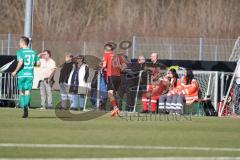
(103, 90)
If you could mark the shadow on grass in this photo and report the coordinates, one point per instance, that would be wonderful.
(67, 115)
(49, 117)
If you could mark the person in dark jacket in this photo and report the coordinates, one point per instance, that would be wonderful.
(64, 74)
(129, 83)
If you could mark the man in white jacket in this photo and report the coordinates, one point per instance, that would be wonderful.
(77, 83)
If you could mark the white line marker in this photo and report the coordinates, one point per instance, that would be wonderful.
(12, 145)
(132, 158)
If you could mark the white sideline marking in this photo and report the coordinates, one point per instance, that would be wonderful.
(132, 158)
(11, 145)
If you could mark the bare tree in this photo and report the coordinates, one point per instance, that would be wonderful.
(121, 19)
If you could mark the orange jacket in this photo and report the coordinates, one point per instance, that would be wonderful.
(157, 88)
(189, 90)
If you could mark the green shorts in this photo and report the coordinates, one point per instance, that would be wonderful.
(25, 83)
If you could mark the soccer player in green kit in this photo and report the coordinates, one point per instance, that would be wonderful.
(26, 58)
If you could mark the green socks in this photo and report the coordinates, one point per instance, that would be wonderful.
(27, 100)
(22, 101)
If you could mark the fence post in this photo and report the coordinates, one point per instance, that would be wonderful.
(216, 91)
(201, 43)
(170, 51)
(222, 85)
(9, 43)
(43, 45)
(2, 47)
(216, 53)
(134, 47)
(84, 48)
(98, 89)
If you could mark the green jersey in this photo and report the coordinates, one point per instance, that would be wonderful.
(29, 58)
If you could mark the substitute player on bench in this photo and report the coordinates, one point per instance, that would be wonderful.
(26, 60)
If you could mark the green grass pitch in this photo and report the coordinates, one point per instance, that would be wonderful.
(185, 137)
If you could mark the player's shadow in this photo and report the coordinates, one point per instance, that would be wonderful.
(46, 117)
(67, 115)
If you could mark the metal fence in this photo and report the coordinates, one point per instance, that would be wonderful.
(58, 48)
(167, 48)
(184, 48)
(235, 55)
(9, 44)
(209, 83)
(8, 87)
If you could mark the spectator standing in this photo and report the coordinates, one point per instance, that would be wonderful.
(47, 70)
(77, 83)
(154, 67)
(26, 59)
(131, 80)
(135, 70)
(123, 87)
(63, 79)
